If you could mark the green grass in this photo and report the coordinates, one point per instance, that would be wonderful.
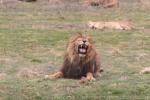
(30, 38)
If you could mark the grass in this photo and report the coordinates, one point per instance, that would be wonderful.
(34, 36)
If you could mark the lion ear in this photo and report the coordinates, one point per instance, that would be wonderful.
(72, 39)
(80, 34)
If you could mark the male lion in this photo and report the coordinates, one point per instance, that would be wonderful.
(80, 60)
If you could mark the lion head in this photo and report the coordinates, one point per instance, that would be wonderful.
(81, 47)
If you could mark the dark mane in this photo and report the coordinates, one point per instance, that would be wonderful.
(78, 69)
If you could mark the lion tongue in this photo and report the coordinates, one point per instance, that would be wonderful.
(82, 50)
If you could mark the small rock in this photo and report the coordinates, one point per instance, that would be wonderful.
(83, 80)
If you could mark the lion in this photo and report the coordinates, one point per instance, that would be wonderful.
(80, 60)
(104, 3)
(96, 25)
(111, 3)
(94, 2)
(120, 25)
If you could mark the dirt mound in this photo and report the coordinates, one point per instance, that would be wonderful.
(145, 4)
(30, 72)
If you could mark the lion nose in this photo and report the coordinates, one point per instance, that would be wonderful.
(84, 41)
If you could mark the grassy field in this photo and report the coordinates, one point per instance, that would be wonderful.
(33, 38)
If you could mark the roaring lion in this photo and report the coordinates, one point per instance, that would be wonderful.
(80, 60)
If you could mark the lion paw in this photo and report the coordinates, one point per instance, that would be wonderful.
(50, 77)
(90, 77)
(54, 76)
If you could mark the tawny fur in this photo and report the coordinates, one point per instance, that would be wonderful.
(104, 3)
(111, 3)
(120, 25)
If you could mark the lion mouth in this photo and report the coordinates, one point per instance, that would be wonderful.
(82, 49)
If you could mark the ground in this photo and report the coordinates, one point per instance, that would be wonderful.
(33, 38)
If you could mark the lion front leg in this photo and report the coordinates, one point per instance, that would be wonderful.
(89, 76)
(55, 75)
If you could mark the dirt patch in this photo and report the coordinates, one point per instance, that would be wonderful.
(140, 56)
(145, 4)
(2, 76)
(55, 1)
(32, 72)
(59, 26)
(115, 51)
(147, 31)
(1, 98)
(8, 3)
(61, 1)
(4, 60)
(7, 60)
(35, 71)
(123, 78)
(57, 53)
